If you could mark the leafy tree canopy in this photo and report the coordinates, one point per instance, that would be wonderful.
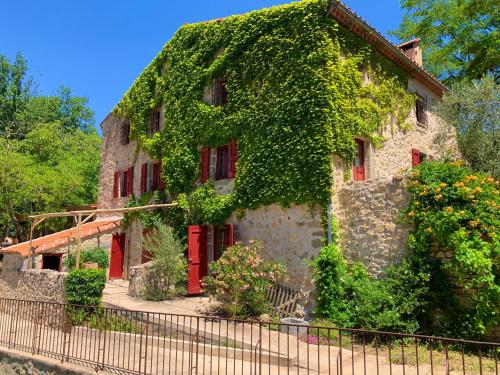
(473, 109)
(49, 151)
(460, 38)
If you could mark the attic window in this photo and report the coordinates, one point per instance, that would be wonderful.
(154, 121)
(420, 107)
(125, 135)
(219, 92)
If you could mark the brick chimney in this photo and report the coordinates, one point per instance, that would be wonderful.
(412, 50)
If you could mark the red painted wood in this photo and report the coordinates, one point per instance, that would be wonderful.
(233, 156)
(116, 185)
(130, 181)
(415, 157)
(358, 169)
(229, 235)
(144, 178)
(205, 164)
(116, 261)
(197, 257)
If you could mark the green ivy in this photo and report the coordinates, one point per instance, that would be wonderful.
(295, 96)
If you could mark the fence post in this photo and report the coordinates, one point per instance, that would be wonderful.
(104, 344)
(197, 343)
(260, 349)
(63, 322)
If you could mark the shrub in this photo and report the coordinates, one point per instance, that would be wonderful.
(168, 269)
(349, 297)
(94, 255)
(84, 288)
(458, 210)
(240, 279)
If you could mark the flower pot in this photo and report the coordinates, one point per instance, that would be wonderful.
(90, 266)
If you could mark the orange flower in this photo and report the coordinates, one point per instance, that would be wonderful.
(459, 184)
(428, 230)
(449, 209)
(439, 196)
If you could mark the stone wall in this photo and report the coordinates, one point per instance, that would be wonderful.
(291, 235)
(36, 285)
(368, 212)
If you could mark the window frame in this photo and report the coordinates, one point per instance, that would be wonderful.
(359, 172)
(154, 125)
(222, 163)
(420, 111)
(219, 91)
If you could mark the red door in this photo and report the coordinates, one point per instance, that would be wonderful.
(358, 169)
(116, 262)
(197, 257)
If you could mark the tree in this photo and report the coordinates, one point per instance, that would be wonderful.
(473, 109)
(459, 37)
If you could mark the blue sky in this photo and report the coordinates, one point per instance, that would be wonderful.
(98, 47)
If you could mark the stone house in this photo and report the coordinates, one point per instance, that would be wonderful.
(366, 202)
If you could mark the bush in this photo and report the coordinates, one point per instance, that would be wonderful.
(458, 210)
(94, 255)
(240, 279)
(84, 288)
(349, 297)
(167, 273)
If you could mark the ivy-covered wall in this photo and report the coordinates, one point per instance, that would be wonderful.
(295, 97)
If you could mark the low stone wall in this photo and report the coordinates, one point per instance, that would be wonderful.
(36, 285)
(368, 215)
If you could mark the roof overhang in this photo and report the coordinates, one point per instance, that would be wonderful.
(346, 17)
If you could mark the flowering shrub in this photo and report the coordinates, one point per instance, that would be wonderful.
(241, 278)
(458, 210)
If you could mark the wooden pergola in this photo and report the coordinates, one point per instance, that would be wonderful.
(82, 217)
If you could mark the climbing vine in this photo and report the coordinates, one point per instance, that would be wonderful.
(296, 95)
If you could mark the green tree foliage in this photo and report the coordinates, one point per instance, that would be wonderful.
(85, 287)
(49, 151)
(94, 255)
(460, 38)
(473, 109)
(168, 268)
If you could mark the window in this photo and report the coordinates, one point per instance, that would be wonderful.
(125, 134)
(223, 238)
(420, 107)
(126, 180)
(154, 121)
(222, 167)
(151, 177)
(358, 167)
(51, 262)
(219, 92)
(417, 157)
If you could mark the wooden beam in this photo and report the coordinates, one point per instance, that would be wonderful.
(78, 241)
(104, 210)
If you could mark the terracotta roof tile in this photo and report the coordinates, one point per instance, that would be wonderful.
(65, 237)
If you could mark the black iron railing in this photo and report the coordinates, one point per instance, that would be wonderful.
(139, 342)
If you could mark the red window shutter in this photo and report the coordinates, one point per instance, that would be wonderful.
(116, 185)
(144, 178)
(415, 157)
(130, 181)
(205, 164)
(358, 170)
(233, 156)
(161, 184)
(229, 235)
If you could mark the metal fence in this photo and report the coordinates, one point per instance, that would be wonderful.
(137, 342)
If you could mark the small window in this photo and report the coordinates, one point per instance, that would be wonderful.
(222, 167)
(219, 92)
(223, 238)
(420, 108)
(123, 183)
(358, 167)
(51, 262)
(155, 176)
(154, 121)
(417, 157)
(125, 135)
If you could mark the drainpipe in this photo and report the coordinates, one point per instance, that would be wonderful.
(329, 229)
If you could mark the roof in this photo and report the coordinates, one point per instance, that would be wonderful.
(348, 18)
(63, 238)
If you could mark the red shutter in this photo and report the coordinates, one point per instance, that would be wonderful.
(233, 156)
(205, 164)
(197, 257)
(358, 169)
(144, 178)
(130, 181)
(415, 157)
(116, 185)
(161, 184)
(229, 235)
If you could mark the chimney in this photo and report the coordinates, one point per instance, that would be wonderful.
(412, 50)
